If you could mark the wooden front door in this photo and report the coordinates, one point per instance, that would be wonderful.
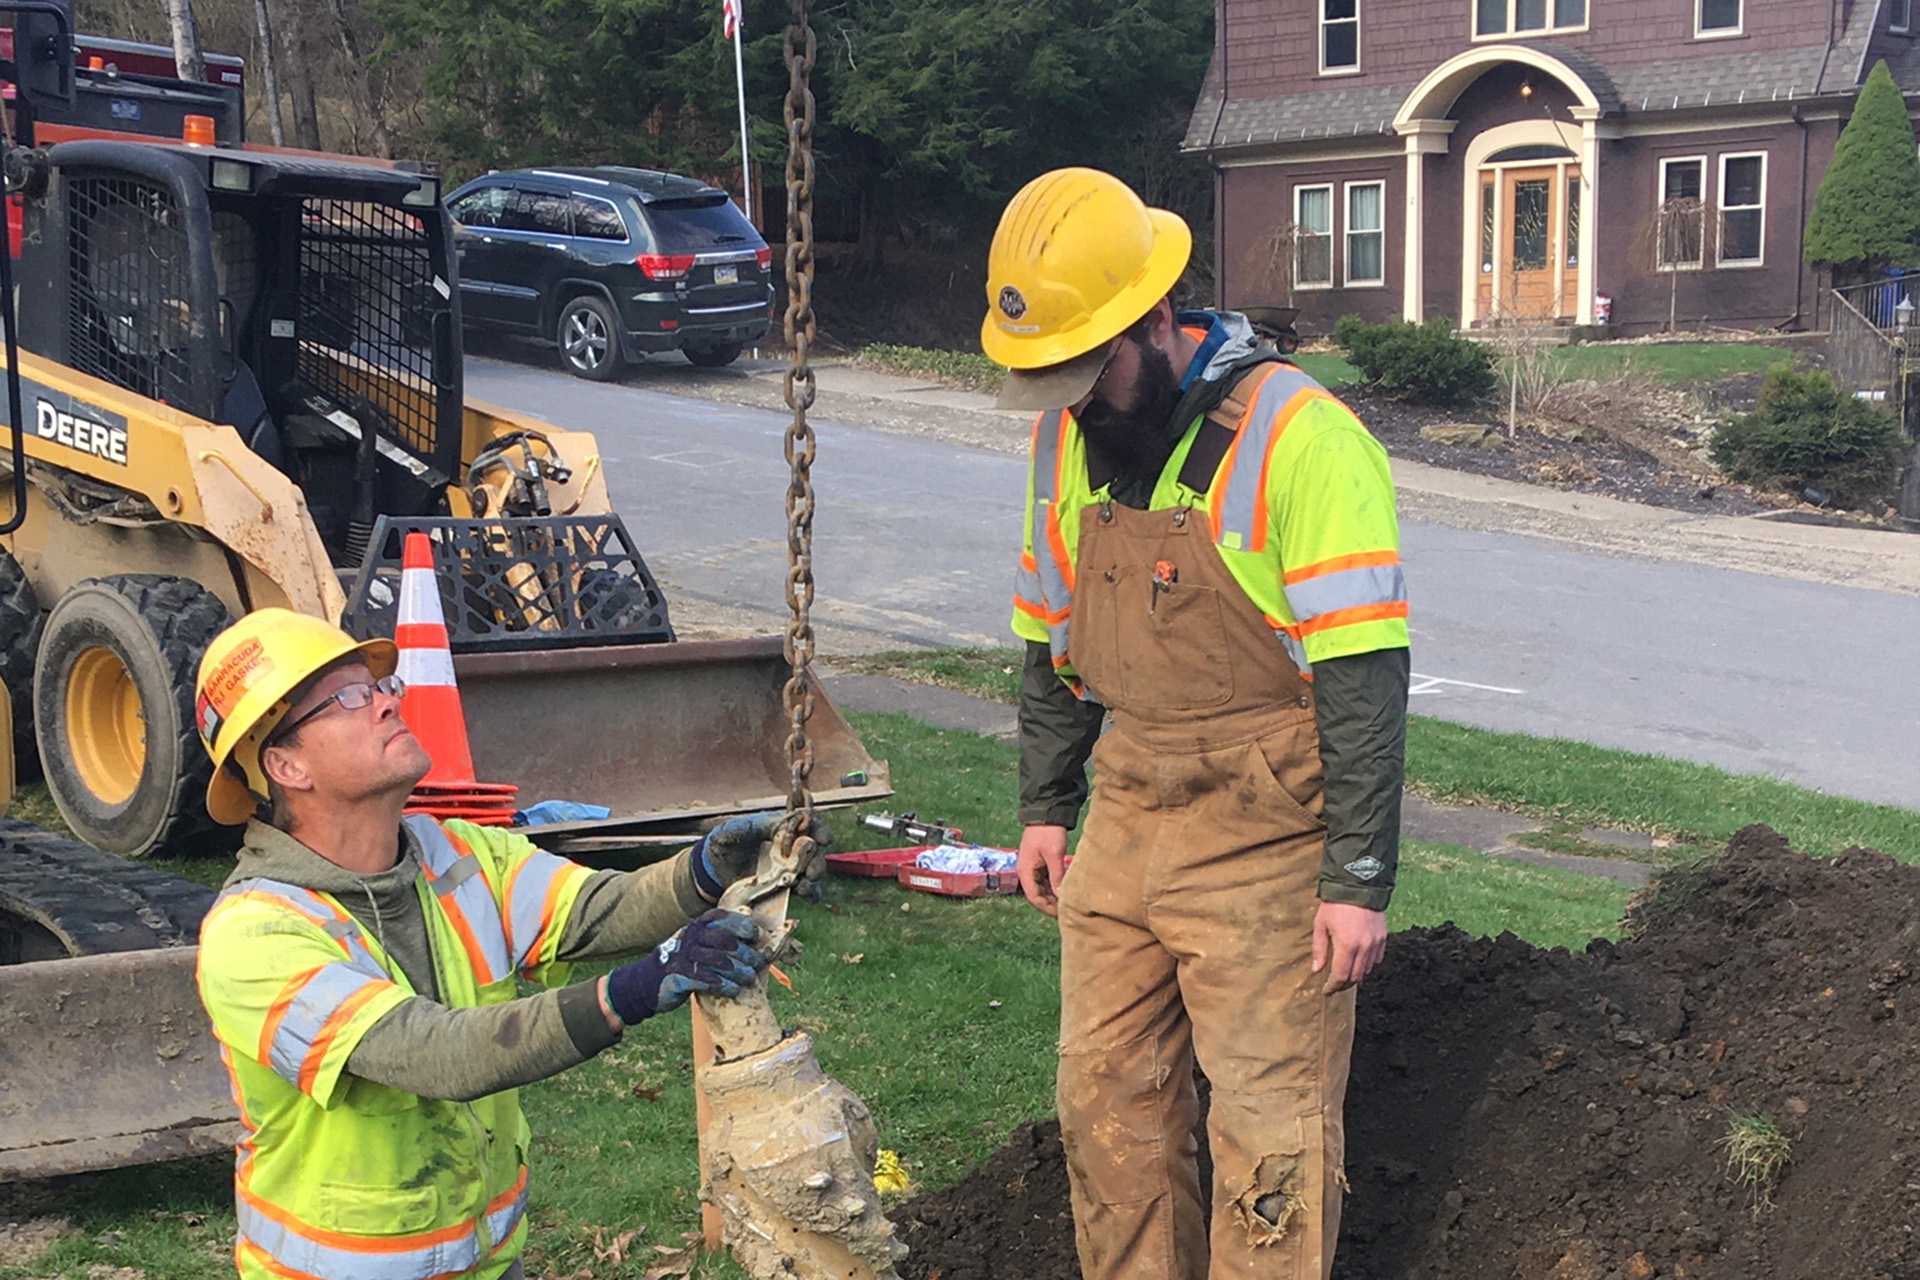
(1530, 218)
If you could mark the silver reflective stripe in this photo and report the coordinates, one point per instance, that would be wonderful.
(306, 1017)
(527, 903)
(1347, 589)
(1241, 496)
(1026, 584)
(305, 902)
(470, 894)
(297, 1252)
(1295, 650)
(503, 1222)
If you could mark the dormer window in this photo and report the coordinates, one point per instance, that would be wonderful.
(1493, 19)
(1900, 20)
(1716, 18)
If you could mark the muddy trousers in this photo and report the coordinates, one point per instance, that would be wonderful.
(1187, 932)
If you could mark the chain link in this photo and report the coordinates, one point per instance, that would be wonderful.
(800, 443)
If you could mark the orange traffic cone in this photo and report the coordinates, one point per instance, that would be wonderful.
(431, 704)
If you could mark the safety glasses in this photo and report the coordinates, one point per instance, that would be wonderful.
(350, 697)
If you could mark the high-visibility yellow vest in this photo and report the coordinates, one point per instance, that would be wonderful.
(340, 1178)
(1301, 508)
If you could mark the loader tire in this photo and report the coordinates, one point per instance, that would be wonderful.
(113, 712)
(20, 622)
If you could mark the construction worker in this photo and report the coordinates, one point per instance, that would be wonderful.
(361, 969)
(1211, 554)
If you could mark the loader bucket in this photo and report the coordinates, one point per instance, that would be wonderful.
(107, 1061)
(668, 736)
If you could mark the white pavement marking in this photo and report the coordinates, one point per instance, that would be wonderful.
(1434, 684)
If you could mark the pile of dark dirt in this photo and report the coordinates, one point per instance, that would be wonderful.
(1538, 1115)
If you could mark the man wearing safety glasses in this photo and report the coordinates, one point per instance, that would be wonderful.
(362, 969)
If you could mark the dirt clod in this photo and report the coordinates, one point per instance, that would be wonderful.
(1516, 1114)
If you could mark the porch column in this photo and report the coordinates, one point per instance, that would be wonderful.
(1591, 133)
(1422, 138)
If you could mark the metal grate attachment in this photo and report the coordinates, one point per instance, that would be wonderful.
(129, 303)
(366, 278)
(551, 582)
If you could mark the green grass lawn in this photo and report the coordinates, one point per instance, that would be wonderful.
(1571, 782)
(1675, 362)
(941, 1013)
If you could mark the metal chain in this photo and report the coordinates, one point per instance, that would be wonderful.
(800, 388)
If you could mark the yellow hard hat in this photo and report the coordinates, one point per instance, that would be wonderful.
(1077, 260)
(246, 687)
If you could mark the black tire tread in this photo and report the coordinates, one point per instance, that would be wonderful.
(184, 617)
(93, 901)
(20, 623)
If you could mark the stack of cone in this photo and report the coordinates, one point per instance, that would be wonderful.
(431, 705)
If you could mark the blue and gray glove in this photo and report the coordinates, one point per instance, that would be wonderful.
(714, 954)
(731, 851)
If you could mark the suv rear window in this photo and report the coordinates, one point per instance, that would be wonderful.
(538, 211)
(703, 223)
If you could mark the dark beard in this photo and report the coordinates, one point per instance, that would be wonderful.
(1138, 442)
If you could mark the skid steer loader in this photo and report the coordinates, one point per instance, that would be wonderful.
(242, 382)
(239, 383)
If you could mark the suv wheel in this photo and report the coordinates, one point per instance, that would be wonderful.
(714, 357)
(589, 339)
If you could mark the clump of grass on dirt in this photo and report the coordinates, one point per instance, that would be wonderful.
(1757, 1153)
(964, 369)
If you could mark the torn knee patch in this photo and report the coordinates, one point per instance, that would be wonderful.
(1272, 1199)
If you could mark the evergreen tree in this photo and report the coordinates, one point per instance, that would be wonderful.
(1867, 211)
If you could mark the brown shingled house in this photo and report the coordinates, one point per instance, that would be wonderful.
(1579, 160)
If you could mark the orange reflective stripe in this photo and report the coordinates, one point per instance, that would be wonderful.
(1257, 536)
(1056, 539)
(277, 1011)
(1340, 564)
(508, 1196)
(1040, 611)
(1028, 563)
(350, 1243)
(1217, 492)
(317, 1054)
(1354, 616)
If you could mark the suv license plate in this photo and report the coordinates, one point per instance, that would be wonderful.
(726, 275)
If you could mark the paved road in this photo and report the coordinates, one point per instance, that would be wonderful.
(914, 539)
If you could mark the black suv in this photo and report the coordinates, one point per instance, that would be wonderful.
(611, 263)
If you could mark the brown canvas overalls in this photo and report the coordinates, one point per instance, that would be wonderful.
(1186, 927)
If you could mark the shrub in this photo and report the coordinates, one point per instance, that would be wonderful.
(1807, 433)
(1427, 362)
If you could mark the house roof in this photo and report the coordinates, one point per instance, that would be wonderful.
(1726, 76)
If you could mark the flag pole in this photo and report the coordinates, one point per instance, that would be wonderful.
(740, 80)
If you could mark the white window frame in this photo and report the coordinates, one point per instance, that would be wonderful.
(1897, 24)
(1325, 70)
(1473, 23)
(1660, 200)
(1720, 213)
(1719, 33)
(1347, 233)
(1332, 226)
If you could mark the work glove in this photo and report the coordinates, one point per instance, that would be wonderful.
(731, 851)
(714, 954)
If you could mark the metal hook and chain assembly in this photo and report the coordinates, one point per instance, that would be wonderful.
(790, 1151)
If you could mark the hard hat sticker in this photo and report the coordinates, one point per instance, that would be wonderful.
(236, 671)
(1012, 304)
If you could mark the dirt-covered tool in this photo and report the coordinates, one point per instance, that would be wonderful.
(789, 1152)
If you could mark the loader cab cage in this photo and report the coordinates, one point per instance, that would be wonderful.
(292, 298)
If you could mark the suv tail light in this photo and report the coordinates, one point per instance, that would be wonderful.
(763, 256)
(665, 266)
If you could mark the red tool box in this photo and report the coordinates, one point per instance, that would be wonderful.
(897, 864)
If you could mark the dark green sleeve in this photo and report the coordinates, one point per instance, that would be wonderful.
(621, 912)
(424, 1048)
(1057, 733)
(1361, 707)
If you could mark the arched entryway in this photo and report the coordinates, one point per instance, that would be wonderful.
(1527, 188)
